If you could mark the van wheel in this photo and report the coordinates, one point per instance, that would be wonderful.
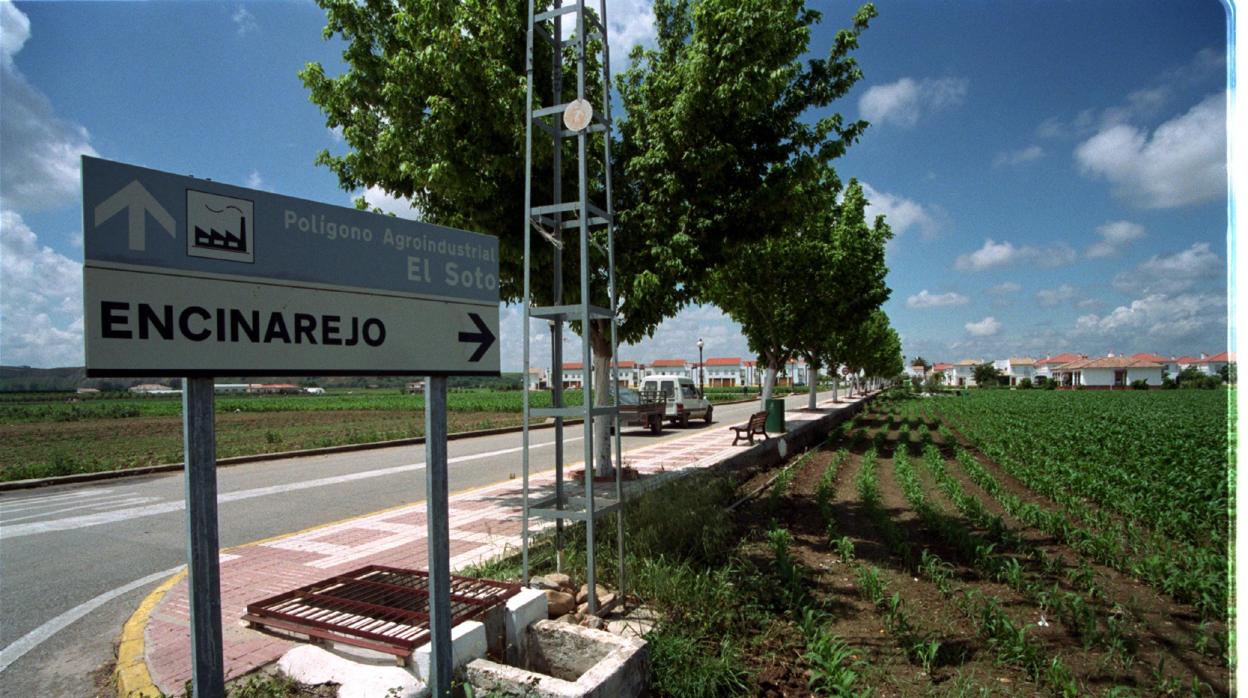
(708, 415)
(656, 426)
(684, 420)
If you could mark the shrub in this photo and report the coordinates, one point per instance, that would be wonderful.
(1140, 384)
(1024, 384)
(1050, 384)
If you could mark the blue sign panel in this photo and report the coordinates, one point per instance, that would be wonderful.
(137, 216)
(185, 276)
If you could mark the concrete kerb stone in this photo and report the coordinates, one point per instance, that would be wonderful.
(468, 642)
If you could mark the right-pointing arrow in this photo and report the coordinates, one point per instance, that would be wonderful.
(483, 335)
(140, 202)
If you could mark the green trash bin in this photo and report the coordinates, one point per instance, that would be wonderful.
(775, 416)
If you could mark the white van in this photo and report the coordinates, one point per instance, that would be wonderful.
(682, 396)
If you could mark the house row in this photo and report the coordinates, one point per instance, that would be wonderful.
(715, 372)
(1078, 370)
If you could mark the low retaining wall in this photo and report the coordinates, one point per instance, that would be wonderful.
(803, 436)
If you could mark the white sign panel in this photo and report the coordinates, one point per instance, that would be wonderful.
(203, 278)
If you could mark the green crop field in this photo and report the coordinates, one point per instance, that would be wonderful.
(1142, 475)
(46, 434)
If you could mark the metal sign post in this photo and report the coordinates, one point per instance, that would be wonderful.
(202, 554)
(437, 515)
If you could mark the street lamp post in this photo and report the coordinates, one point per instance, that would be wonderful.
(701, 369)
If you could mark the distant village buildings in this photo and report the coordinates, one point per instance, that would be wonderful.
(1070, 370)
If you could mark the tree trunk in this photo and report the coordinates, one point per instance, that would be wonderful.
(604, 392)
(812, 380)
(769, 379)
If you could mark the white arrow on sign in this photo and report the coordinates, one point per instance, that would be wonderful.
(139, 202)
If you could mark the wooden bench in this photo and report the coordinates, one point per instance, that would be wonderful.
(756, 425)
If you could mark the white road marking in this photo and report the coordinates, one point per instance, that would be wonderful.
(48, 500)
(30, 640)
(115, 501)
(75, 522)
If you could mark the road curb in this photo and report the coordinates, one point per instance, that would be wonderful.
(281, 455)
(132, 677)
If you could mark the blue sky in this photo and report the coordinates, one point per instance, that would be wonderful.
(1054, 171)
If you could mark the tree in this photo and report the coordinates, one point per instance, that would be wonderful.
(432, 103)
(852, 284)
(986, 374)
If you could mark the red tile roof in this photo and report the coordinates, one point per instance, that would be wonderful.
(1188, 360)
(1058, 359)
(628, 364)
(1109, 362)
(573, 367)
(1157, 358)
(679, 363)
(941, 367)
(1224, 357)
(724, 361)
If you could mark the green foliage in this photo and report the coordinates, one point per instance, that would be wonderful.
(1025, 384)
(1141, 384)
(986, 375)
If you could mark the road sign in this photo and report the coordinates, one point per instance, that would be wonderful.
(204, 278)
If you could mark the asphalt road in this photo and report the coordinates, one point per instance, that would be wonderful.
(76, 560)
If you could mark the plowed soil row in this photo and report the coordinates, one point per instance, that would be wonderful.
(1158, 653)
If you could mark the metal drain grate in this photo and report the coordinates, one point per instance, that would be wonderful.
(385, 609)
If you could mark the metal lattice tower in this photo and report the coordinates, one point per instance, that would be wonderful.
(549, 219)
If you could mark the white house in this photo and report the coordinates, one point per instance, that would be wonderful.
(1019, 368)
(1209, 365)
(1168, 366)
(1045, 366)
(573, 376)
(962, 375)
(629, 375)
(724, 372)
(673, 367)
(536, 379)
(752, 372)
(1108, 373)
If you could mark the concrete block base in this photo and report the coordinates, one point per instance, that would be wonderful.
(468, 642)
(523, 610)
(567, 661)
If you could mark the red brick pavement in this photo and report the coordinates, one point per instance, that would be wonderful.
(484, 523)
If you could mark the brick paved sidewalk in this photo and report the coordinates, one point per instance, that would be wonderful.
(484, 523)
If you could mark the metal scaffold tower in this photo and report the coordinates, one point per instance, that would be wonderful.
(549, 219)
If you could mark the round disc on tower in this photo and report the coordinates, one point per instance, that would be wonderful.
(578, 115)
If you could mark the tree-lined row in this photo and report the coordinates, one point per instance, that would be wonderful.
(723, 185)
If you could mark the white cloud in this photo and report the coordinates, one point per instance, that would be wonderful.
(376, 197)
(1114, 236)
(1173, 273)
(901, 213)
(244, 22)
(984, 328)
(255, 181)
(40, 299)
(629, 23)
(1018, 157)
(924, 299)
(1182, 162)
(1004, 288)
(1051, 297)
(904, 101)
(994, 255)
(1200, 317)
(40, 167)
